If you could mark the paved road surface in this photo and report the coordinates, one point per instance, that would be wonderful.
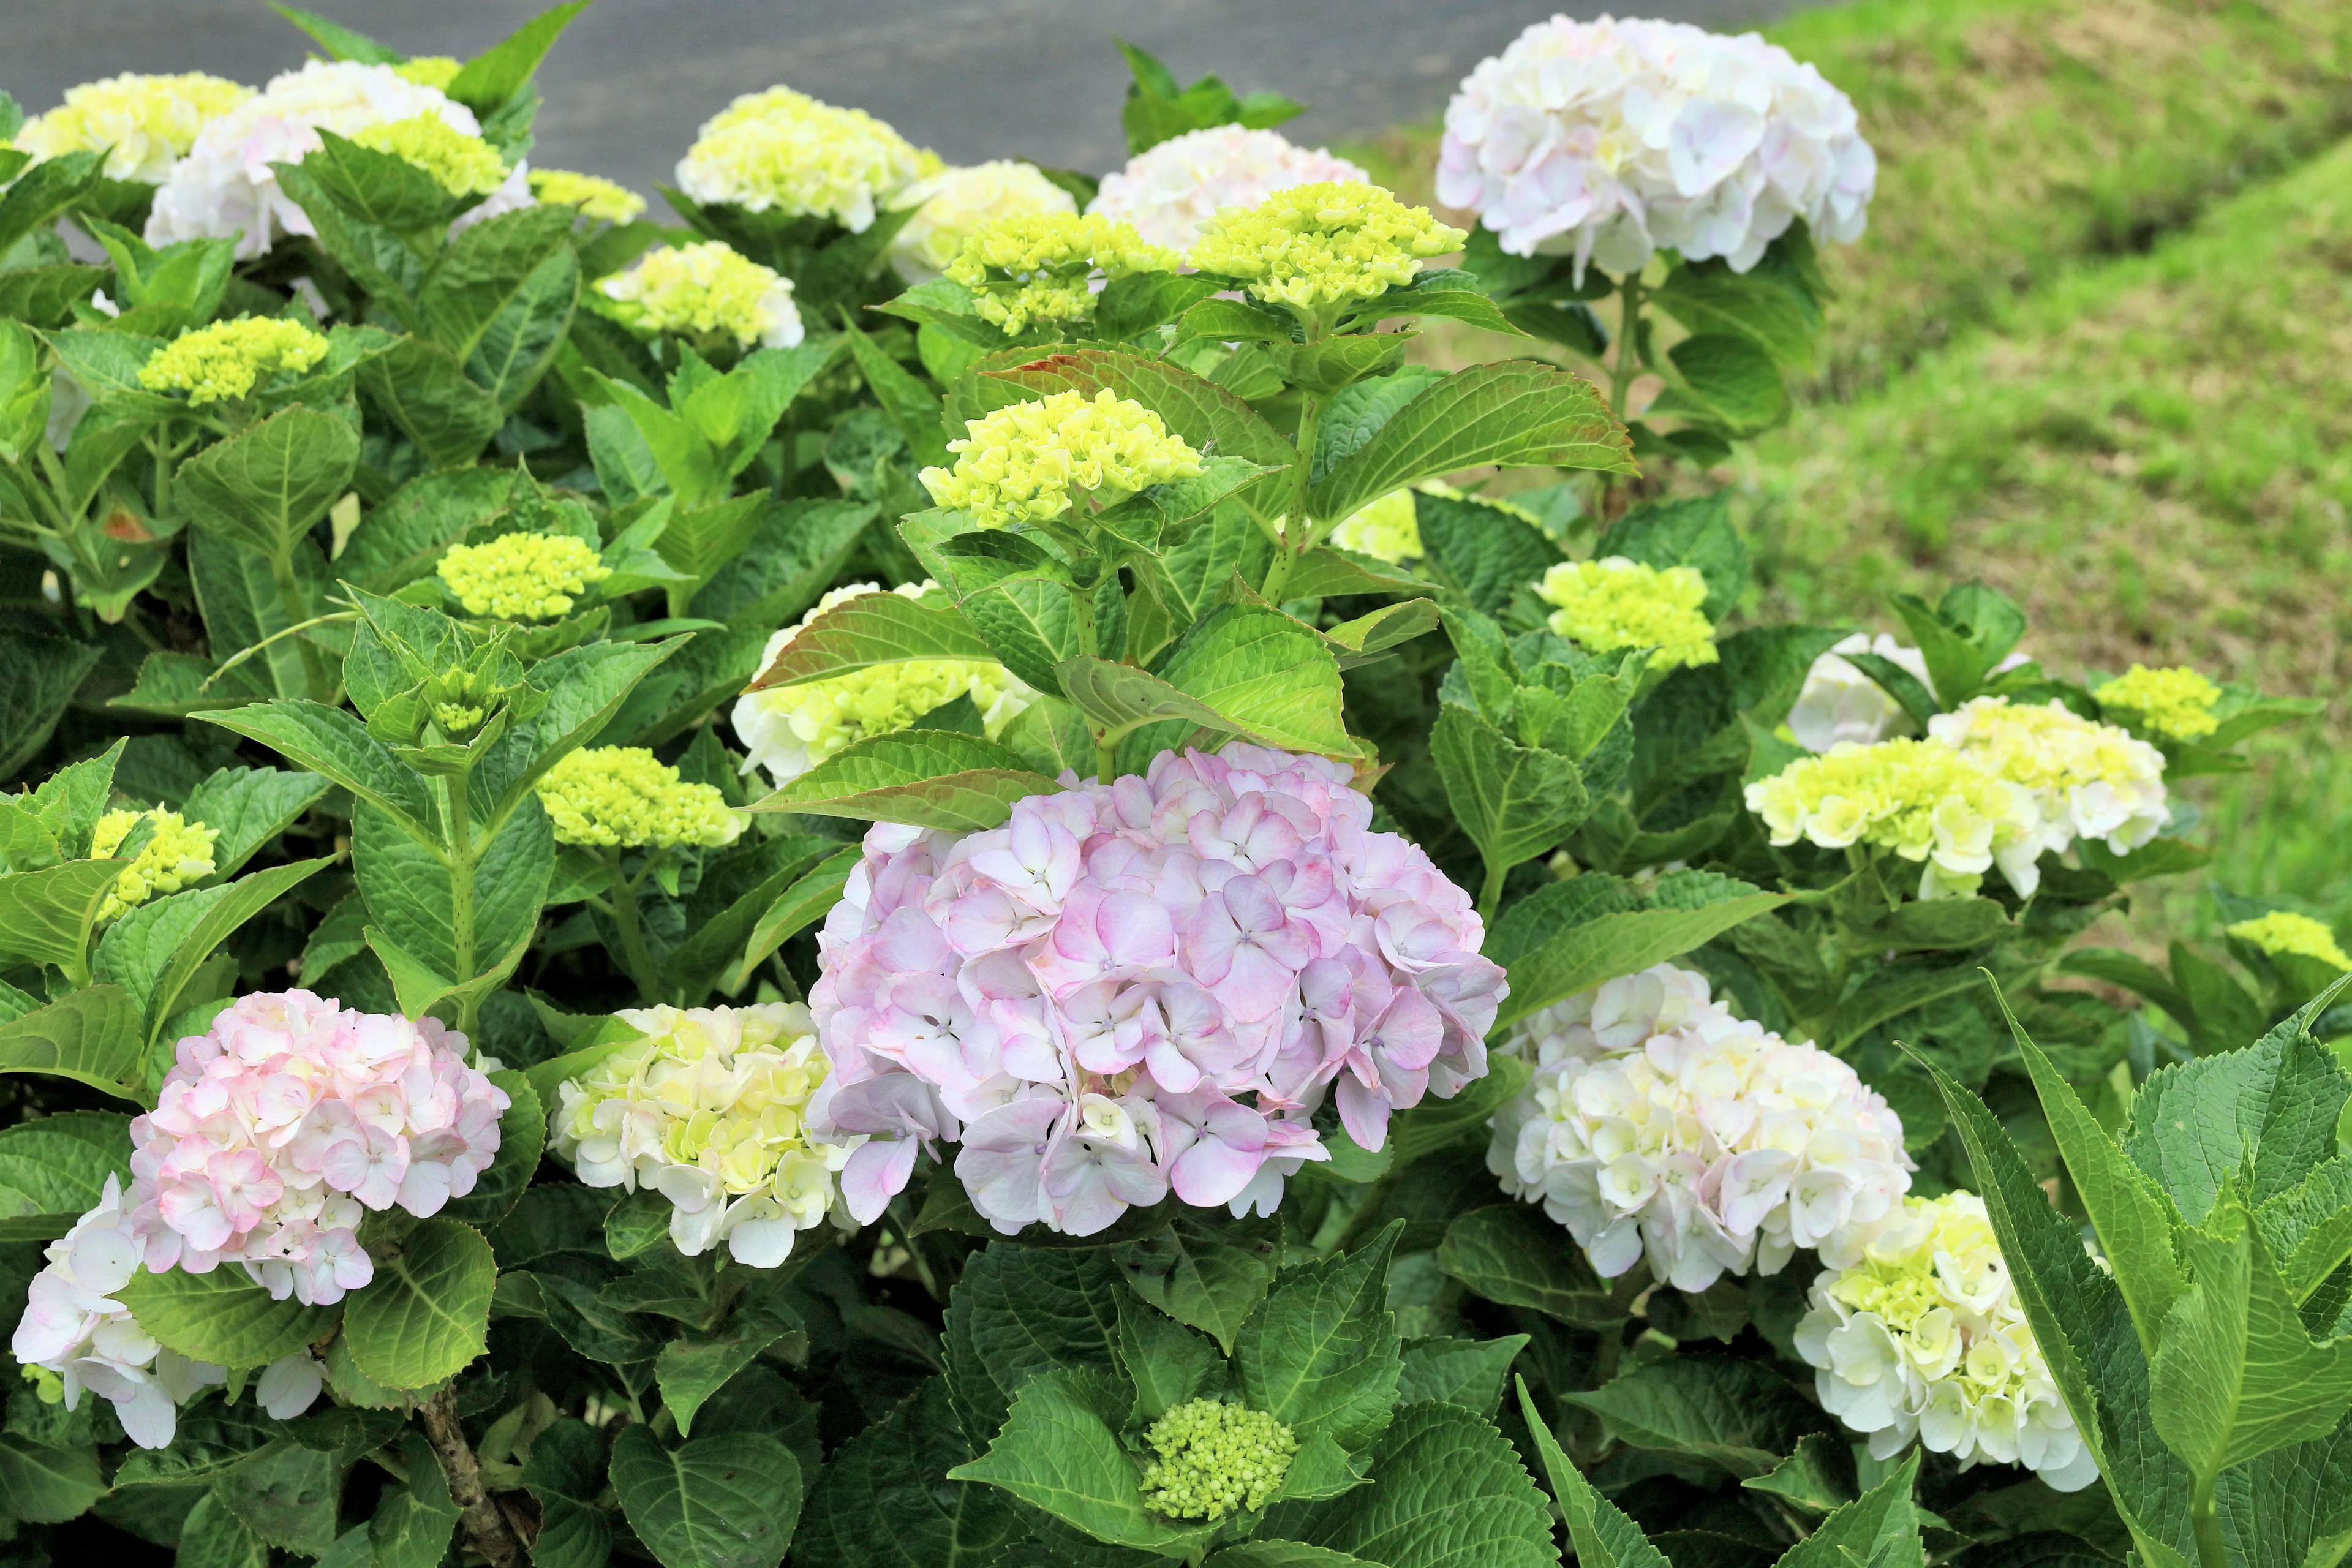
(974, 78)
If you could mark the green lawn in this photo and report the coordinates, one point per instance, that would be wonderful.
(2096, 348)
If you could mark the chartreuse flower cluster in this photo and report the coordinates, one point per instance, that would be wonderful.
(460, 165)
(178, 855)
(1020, 463)
(595, 197)
(2176, 703)
(623, 797)
(144, 124)
(704, 290)
(1925, 1337)
(787, 152)
(1215, 1459)
(1949, 813)
(1043, 267)
(1324, 244)
(2088, 780)
(227, 359)
(521, 576)
(1386, 530)
(429, 71)
(1613, 603)
(953, 204)
(2283, 933)
(788, 730)
(710, 1110)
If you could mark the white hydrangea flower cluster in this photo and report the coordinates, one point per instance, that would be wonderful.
(788, 730)
(1924, 1336)
(76, 1335)
(952, 206)
(1167, 191)
(1610, 140)
(787, 152)
(1658, 1125)
(1839, 705)
(711, 1110)
(2088, 780)
(226, 186)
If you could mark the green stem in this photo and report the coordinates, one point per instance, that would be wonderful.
(1105, 757)
(2211, 1551)
(1627, 363)
(289, 599)
(1490, 894)
(460, 857)
(635, 957)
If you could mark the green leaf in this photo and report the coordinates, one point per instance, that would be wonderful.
(1020, 1311)
(1736, 1414)
(1450, 1490)
(1695, 531)
(873, 629)
(339, 42)
(714, 1502)
(413, 1524)
(797, 549)
(691, 1369)
(1626, 942)
(1130, 306)
(2308, 1227)
(286, 1494)
(1271, 1553)
(45, 190)
(223, 1317)
(58, 1163)
(39, 675)
(805, 902)
(2194, 1125)
(1513, 802)
(566, 1473)
(1468, 1372)
(399, 542)
(423, 1316)
(523, 1138)
(1484, 551)
(249, 807)
(43, 1485)
(929, 778)
(1321, 1354)
(1763, 305)
(1604, 1536)
(411, 892)
(423, 389)
(95, 1036)
(1515, 1255)
(1727, 380)
(1819, 1477)
(1328, 365)
(335, 744)
(45, 915)
(879, 1501)
(1031, 620)
(1057, 1452)
(1200, 411)
(212, 916)
(497, 73)
(375, 188)
(912, 407)
(265, 486)
(1211, 1275)
(1269, 677)
(1879, 1528)
(1516, 413)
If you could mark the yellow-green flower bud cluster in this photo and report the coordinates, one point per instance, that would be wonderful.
(1040, 266)
(144, 124)
(1215, 1459)
(521, 576)
(460, 165)
(1947, 813)
(1387, 530)
(623, 797)
(1322, 244)
(2283, 933)
(788, 730)
(2176, 703)
(953, 204)
(786, 151)
(429, 71)
(1020, 463)
(1613, 603)
(705, 289)
(595, 197)
(710, 1110)
(176, 856)
(227, 359)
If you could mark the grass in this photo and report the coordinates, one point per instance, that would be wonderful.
(2096, 349)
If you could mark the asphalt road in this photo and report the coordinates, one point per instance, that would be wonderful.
(974, 78)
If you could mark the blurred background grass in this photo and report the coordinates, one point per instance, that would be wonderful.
(2096, 349)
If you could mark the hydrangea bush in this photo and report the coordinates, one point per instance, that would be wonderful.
(950, 866)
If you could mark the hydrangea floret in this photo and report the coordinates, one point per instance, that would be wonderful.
(706, 290)
(1925, 1336)
(278, 1127)
(2283, 933)
(74, 1335)
(953, 204)
(1144, 986)
(178, 854)
(2088, 780)
(1169, 190)
(1317, 245)
(787, 152)
(226, 186)
(710, 1110)
(1659, 1126)
(521, 576)
(226, 361)
(595, 196)
(1386, 530)
(623, 797)
(430, 70)
(1950, 813)
(461, 165)
(1839, 705)
(788, 730)
(1613, 603)
(1610, 140)
(144, 124)
(1020, 463)
(1212, 1458)
(2176, 703)
(1045, 266)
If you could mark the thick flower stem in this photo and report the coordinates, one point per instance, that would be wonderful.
(2212, 1551)
(487, 1529)
(634, 955)
(1490, 894)
(460, 845)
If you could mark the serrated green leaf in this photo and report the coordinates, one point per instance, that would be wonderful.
(1019, 1312)
(335, 744)
(44, 1485)
(95, 1036)
(1211, 1275)
(1321, 1354)
(1604, 1536)
(1693, 532)
(879, 1501)
(59, 1163)
(2194, 1124)
(713, 1502)
(1484, 551)
(286, 1494)
(1514, 1254)
(1058, 1453)
(1513, 802)
(223, 1317)
(566, 1473)
(1450, 1489)
(423, 1316)
(265, 486)
(45, 915)
(693, 1368)
(1879, 1528)
(423, 389)
(1736, 1414)
(1468, 1372)
(931, 778)
(869, 630)
(249, 807)
(1618, 942)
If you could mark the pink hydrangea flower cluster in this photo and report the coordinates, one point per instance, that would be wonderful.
(278, 1127)
(1143, 986)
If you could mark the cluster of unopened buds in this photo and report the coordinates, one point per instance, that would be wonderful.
(1144, 986)
(1659, 1126)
